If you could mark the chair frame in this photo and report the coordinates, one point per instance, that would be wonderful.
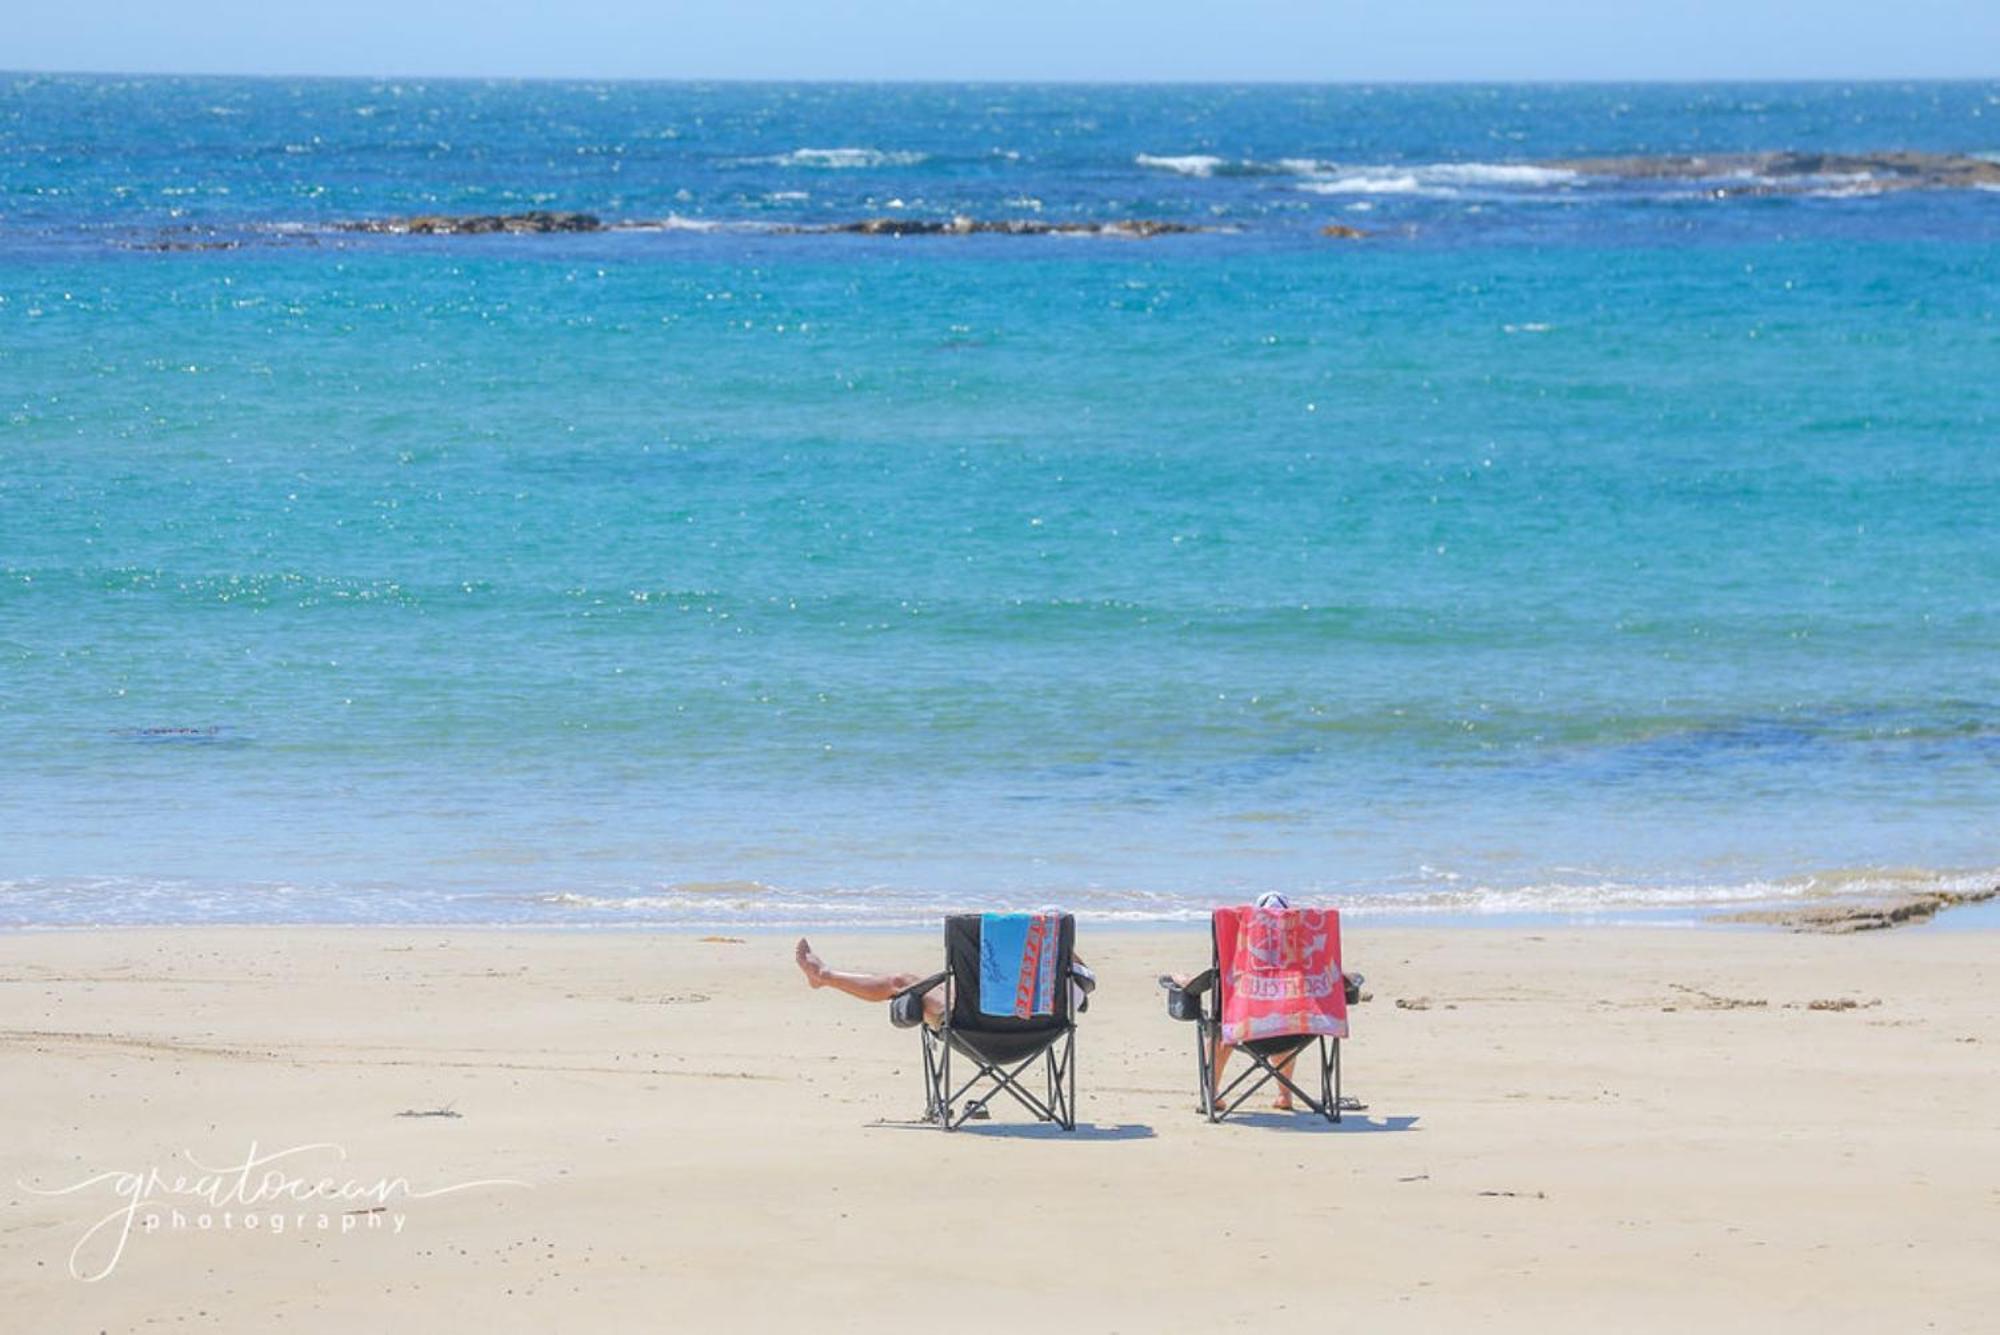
(1056, 1055)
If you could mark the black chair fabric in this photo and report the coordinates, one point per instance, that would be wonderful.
(962, 937)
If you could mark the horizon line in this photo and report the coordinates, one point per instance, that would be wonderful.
(1000, 82)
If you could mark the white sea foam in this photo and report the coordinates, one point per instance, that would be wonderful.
(1519, 175)
(1431, 893)
(839, 159)
(675, 222)
(1402, 183)
(1324, 177)
(1187, 164)
(1440, 179)
(1581, 891)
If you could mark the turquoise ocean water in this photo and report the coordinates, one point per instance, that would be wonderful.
(1566, 545)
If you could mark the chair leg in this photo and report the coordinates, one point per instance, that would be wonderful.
(1263, 1070)
(1260, 1073)
(1204, 1066)
(1008, 1082)
(944, 1084)
(1052, 1071)
(1069, 1065)
(930, 1081)
(1062, 1083)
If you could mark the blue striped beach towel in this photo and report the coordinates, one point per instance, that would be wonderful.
(1017, 963)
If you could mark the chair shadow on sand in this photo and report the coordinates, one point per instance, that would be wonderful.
(1085, 1131)
(1348, 1125)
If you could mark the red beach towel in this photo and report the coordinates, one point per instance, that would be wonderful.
(1280, 973)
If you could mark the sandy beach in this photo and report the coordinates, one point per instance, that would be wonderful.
(1567, 1129)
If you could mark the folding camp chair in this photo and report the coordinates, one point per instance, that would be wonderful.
(1203, 999)
(1004, 1046)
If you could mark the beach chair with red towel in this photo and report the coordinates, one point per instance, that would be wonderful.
(1274, 990)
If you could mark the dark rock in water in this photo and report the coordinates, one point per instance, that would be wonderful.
(210, 733)
(1343, 232)
(478, 224)
(429, 224)
(202, 236)
(1792, 173)
(904, 227)
(1136, 228)
(184, 245)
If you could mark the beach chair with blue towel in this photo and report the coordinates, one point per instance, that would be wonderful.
(1012, 992)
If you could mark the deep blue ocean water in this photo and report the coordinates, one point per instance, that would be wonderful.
(1564, 545)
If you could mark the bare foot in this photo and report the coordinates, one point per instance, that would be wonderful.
(810, 964)
(1284, 1103)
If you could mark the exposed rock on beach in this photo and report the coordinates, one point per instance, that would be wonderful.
(1863, 916)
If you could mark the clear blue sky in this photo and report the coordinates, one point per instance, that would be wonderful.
(1016, 39)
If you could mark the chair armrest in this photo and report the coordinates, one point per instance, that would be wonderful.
(1085, 983)
(1184, 1000)
(919, 988)
(906, 1008)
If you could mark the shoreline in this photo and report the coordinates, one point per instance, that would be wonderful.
(1856, 915)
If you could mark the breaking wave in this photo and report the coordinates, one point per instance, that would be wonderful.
(674, 222)
(1386, 184)
(1326, 177)
(1186, 164)
(845, 159)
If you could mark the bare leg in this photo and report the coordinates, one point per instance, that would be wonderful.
(866, 986)
(1219, 1058)
(1284, 1103)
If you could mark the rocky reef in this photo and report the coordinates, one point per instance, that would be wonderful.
(1863, 916)
(477, 224)
(480, 224)
(1136, 228)
(1780, 173)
